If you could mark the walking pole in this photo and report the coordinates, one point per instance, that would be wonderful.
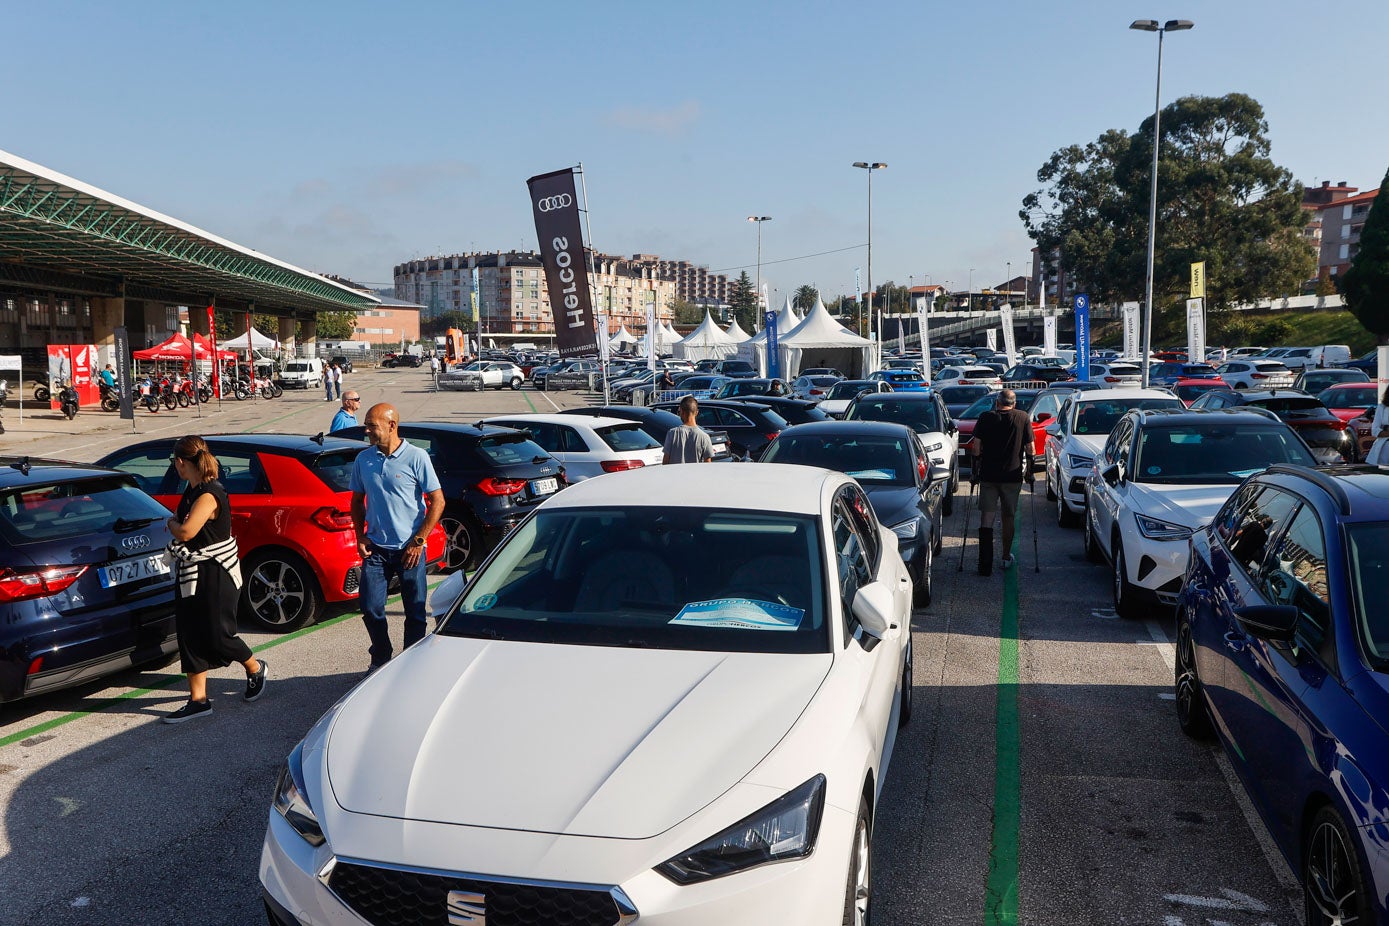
(1036, 557)
(964, 533)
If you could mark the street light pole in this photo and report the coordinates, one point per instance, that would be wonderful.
(759, 219)
(1151, 25)
(870, 167)
(971, 291)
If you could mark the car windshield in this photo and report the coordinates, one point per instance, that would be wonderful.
(1359, 397)
(1368, 545)
(921, 416)
(1191, 392)
(1099, 416)
(1293, 407)
(737, 366)
(334, 467)
(510, 449)
(1215, 453)
(74, 509)
(871, 460)
(962, 395)
(662, 577)
(626, 437)
(985, 403)
(296, 367)
(849, 388)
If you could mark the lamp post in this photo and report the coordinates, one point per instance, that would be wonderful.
(871, 166)
(1151, 25)
(759, 219)
(970, 294)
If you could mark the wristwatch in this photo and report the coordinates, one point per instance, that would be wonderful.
(416, 541)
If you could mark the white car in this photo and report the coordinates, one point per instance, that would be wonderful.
(1162, 475)
(813, 387)
(588, 447)
(1256, 374)
(1113, 375)
(1076, 435)
(836, 401)
(495, 374)
(657, 712)
(967, 376)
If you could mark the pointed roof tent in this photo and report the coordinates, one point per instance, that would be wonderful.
(789, 309)
(623, 336)
(670, 334)
(707, 342)
(736, 332)
(826, 343)
(255, 342)
(786, 320)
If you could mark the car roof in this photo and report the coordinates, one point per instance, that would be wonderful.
(1251, 395)
(556, 418)
(1360, 490)
(294, 443)
(751, 487)
(43, 469)
(917, 395)
(1177, 417)
(478, 429)
(848, 429)
(1129, 392)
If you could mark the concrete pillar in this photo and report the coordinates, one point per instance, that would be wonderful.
(108, 314)
(197, 321)
(308, 336)
(286, 334)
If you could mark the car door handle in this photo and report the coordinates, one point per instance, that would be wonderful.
(1235, 642)
(242, 514)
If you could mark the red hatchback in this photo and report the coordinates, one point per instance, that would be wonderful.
(970, 417)
(291, 517)
(1353, 403)
(1189, 390)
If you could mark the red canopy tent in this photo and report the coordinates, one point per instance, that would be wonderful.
(177, 347)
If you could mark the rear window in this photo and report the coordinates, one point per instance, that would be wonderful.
(76, 509)
(335, 467)
(626, 437)
(1194, 392)
(870, 460)
(1099, 416)
(959, 395)
(849, 389)
(509, 450)
(920, 416)
(1294, 407)
(1349, 398)
(737, 366)
(1270, 366)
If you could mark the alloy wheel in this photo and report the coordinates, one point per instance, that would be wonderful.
(279, 594)
(1191, 710)
(863, 875)
(1331, 881)
(460, 542)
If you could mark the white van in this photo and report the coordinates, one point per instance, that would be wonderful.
(1330, 355)
(301, 374)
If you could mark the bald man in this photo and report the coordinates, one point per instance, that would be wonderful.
(396, 501)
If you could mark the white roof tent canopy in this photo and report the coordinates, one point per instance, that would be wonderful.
(256, 342)
(707, 342)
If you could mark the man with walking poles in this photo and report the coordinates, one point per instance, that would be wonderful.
(1002, 463)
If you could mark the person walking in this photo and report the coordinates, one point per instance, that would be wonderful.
(347, 415)
(207, 582)
(688, 443)
(1002, 462)
(1379, 430)
(396, 501)
(328, 383)
(434, 370)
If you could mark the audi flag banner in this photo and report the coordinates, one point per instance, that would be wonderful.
(561, 239)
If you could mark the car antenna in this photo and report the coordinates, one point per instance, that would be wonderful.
(318, 438)
(22, 465)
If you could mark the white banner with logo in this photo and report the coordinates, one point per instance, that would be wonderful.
(991, 338)
(604, 348)
(1010, 338)
(651, 335)
(1195, 330)
(923, 327)
(1129, 312)
(1049, 336)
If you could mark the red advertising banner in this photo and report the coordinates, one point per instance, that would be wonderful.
(75, 363)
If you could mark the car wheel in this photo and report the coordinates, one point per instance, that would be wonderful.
(1333, 884)
(279, 592)
(462, 536)
(921, 587)
(1192, 715)
(1051, 491)
(904, 708)
(1064, 516)
(515, 382)
(858, 892)
(1088, 541)
(1125, 604)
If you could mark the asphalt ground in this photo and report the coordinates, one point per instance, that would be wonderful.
(1042, 779)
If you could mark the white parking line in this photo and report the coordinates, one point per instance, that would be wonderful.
(546, 397)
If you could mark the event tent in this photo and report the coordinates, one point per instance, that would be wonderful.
(736, 332)
(754, 349)
(820, 341)
(251, 339)
(670, 334)
(623, 336)
(178, 347)
(707, 342)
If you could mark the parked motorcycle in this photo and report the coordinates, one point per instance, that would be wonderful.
(110, 398)
(67, 400)
(41, 390)
(149, 394)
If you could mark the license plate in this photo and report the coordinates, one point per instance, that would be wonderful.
(133, 570)
(544, 486)
(720, 449)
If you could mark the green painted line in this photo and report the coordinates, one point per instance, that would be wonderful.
(528, 400)
(1001, 888)
(169, 680)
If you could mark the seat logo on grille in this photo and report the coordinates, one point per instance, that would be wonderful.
(466, 908)
(137, 542)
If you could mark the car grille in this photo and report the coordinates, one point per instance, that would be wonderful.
(352, 581)
(388, 897)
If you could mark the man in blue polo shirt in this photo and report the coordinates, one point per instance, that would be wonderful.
(396, 501)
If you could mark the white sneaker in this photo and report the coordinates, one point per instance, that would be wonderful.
(1008, 562)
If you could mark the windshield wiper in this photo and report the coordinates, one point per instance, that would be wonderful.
(125, 524)
(485, 633)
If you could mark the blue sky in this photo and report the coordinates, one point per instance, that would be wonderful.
(346, 137)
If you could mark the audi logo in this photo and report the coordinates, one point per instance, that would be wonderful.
(137, 542)
(551, 203)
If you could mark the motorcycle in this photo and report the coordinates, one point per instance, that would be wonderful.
(149, 395)
(67, 400)
(41, 390)
(267, 388)
(110, 398)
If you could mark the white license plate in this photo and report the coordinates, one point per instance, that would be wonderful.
(720, 448)
(544, 486)
(133, 570)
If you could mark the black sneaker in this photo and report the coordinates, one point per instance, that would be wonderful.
(189, 711)
(255, 684)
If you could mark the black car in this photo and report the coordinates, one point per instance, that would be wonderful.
(736, 369)
(750, 427)
(1330, 438)
(1036, 373)
(959, 398)
(402, 360)
(343, 363)
(654, 421)
(86, 587)
(924, 412)
(744, 387)
(491, 476)
(890, 463)
(795, 411)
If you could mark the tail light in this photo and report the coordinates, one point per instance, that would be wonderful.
(494, 485)
(332, 519)
(920, 468)
(1258, 376)
(817, 392)
(18, 585)
(771, 435)
(1111, 379)
(618, 466)
(35, 666)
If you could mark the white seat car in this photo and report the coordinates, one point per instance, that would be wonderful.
(1164, 474)
(494, 374)
(588, 447)
(1256, 374)
(967, 376)
(1077, 434)
(1114, 375)
(665, 711)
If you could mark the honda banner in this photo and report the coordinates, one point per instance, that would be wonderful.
(1049, 336)
(1010, 340)
(1129, 312)
(556, 207)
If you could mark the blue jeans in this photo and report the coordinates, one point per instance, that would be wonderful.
(327, 387)
(377, 571)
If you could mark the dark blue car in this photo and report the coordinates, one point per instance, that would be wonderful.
(1283, 652)
(85, 581)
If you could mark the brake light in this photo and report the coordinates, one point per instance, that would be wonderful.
(1337, 425)
(332, 519)
(494, 485)
(618, 466)
(35, 666)
(771, 435)
(1111, 379)
(36, 583)
(1258, 376)
(920, 468)
(817, 392)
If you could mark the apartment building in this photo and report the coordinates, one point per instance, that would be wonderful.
(1339, 215)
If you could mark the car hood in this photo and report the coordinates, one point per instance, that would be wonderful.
(1190, 506)
(573, 740)
(1088, 444)
(893, 504)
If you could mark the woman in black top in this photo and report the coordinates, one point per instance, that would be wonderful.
(208, 581)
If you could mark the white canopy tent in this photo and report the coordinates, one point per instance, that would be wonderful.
(670, 334)
(663, 341)
(820, 341)
(251, 340)
(707, 342)
(622, 337)
(754, 349)
(736, 332)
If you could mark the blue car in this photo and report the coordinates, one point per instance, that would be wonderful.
(900, 380)
(1283, 653)
(1169, 374)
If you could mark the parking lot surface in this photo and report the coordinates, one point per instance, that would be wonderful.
(1042, 779)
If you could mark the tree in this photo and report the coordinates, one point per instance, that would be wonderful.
(687, 313)
(1365, 285)
(336, 326)
(1221, 199)
(743, 299)
(804, 299)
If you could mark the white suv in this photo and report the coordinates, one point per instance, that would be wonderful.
(1115, 375)
(1256, 374)
(968, 376)
(1075, 438)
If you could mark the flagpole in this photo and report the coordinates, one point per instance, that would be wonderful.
(592, 282)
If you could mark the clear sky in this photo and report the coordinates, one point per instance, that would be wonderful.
(347, 136)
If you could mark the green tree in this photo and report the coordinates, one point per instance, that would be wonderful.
(687, 313)
(1221, 199)
(743, 299)
(1365, 285)
(336, 326)
(804, 299)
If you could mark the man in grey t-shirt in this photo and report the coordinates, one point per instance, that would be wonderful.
(688, 443)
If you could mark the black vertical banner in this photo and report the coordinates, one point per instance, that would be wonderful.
(123, 383)
(556, 207)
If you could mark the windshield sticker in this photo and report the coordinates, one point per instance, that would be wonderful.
(1154, 470)
(873, 474)
(484, 602)
(1245, 473)
(740, 614)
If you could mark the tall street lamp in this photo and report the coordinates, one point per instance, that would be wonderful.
(759, 219)
(971, 289)
(1151, 25)
(870, 167)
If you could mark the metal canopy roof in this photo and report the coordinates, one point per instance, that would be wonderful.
(53, 221)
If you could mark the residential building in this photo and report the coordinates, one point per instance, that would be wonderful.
(1339, 220)
(1051, 279)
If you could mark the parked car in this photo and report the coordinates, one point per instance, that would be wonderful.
(900, 380)
(890, 463)
(1369, 363)
(401, 360)
(491, 477)
(654, 421)
(1117, 374)
(1349, 401)
(343, 361)
(822, 371)
(1169, 374)
(740, 387)
(1189, 390)
(924, 413)
(1077, 434)
(1314, 381)
(750, 426)
(1256, 374)
(795, 411)
(966, 421)
(700, 385)
(959, 398)
(1036, 373)
(301, 374)
(836, 401)
(968, 375)
(587, 447)
(816, 387)
(1329, 437)
(291, 517)
(736, 369)
(483, 374)
(86, 588)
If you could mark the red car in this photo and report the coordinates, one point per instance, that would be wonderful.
(1189, 390)
(1353, 403)
(291, 516)
(970, 417)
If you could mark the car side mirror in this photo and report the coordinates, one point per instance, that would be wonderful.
(1054, 428)
(1043, 417)
(937, 474)
(1112, 474)
(1272, 622)
(951, 429)
(872, 608)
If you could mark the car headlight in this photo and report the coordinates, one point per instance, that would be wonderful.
(907, 530)
(784, 829)
(1076, 461)
(1154, 529)
(292, 801)
(936, 447)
